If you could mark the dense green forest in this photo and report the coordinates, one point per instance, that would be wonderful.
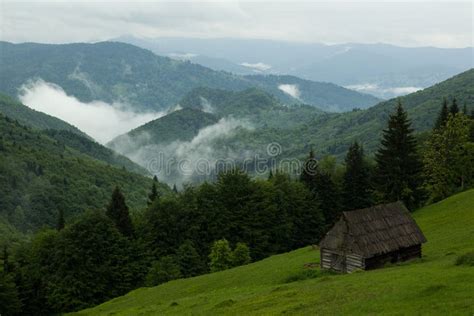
(111, 71)
(218, 225)
(41, 175)
(223, 103)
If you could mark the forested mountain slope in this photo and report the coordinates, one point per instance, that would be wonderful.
(332, 133)
(295, 129)
(180, 125)
(249, 102)
(332, 96)
(207, 128)
(40, 175)
(111, 71)
(64, 133)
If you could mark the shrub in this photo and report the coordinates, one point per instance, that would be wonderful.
(220, 256)
(240, 255)
(163, 270)
(466, 259)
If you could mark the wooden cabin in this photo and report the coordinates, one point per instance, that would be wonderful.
(369, 238)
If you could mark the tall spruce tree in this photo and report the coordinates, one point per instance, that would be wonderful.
(442, 116)
(154, 195)
(454, 108)
(117, 210)
(356, 183)
(398, 171)
(322, 187)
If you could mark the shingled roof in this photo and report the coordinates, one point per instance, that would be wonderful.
(373, 231)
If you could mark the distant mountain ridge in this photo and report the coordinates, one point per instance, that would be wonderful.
(380, 69)
(118, 72)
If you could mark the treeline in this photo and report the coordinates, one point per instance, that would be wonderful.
(232, 221)
(206, 228)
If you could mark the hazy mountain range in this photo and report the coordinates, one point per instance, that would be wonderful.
(379, 69)
(141, 104)
(215, 125)
(127, 76)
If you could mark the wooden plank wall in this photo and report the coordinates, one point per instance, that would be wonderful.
(340, 262)
(354, 262)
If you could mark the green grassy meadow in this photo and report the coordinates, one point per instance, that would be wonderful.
(433, 285)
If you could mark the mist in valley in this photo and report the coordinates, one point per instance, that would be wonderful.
(101, 120)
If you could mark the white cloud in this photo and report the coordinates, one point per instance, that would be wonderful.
(260, 67)
(206, 106)
(403, 90)
(98, 119)
(385, 91)
(201, 145)
(179, 161)
(290, 89)
(363, 87)
(182, 56)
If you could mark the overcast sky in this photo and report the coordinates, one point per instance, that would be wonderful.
(441, 24)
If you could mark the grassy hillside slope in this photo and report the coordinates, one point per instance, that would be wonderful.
(433, 285)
